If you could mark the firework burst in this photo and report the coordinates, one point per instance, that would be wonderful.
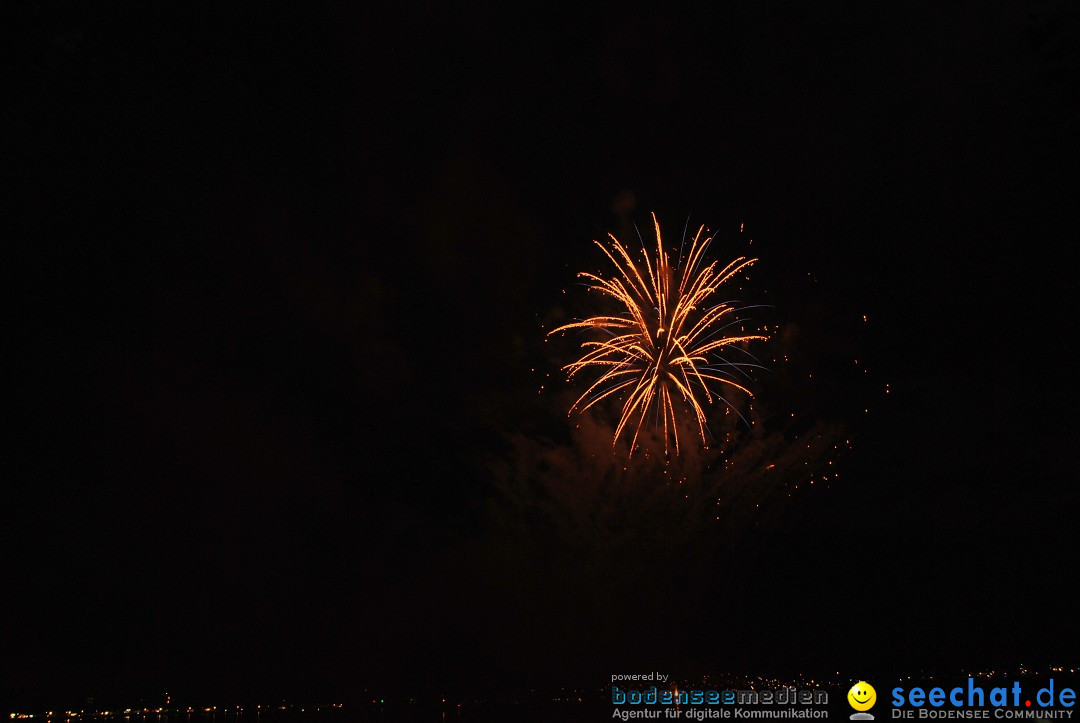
(662, 352)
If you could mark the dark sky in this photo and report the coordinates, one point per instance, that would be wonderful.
(278, 287)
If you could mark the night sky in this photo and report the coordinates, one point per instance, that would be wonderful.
(279, 290)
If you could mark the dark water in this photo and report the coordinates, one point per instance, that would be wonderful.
(390, 712)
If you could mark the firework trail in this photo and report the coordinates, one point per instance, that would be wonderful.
(663, 350)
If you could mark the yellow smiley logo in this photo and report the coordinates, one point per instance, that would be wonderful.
(862, 696)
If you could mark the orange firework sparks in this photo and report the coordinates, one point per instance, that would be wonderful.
(663, 349)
